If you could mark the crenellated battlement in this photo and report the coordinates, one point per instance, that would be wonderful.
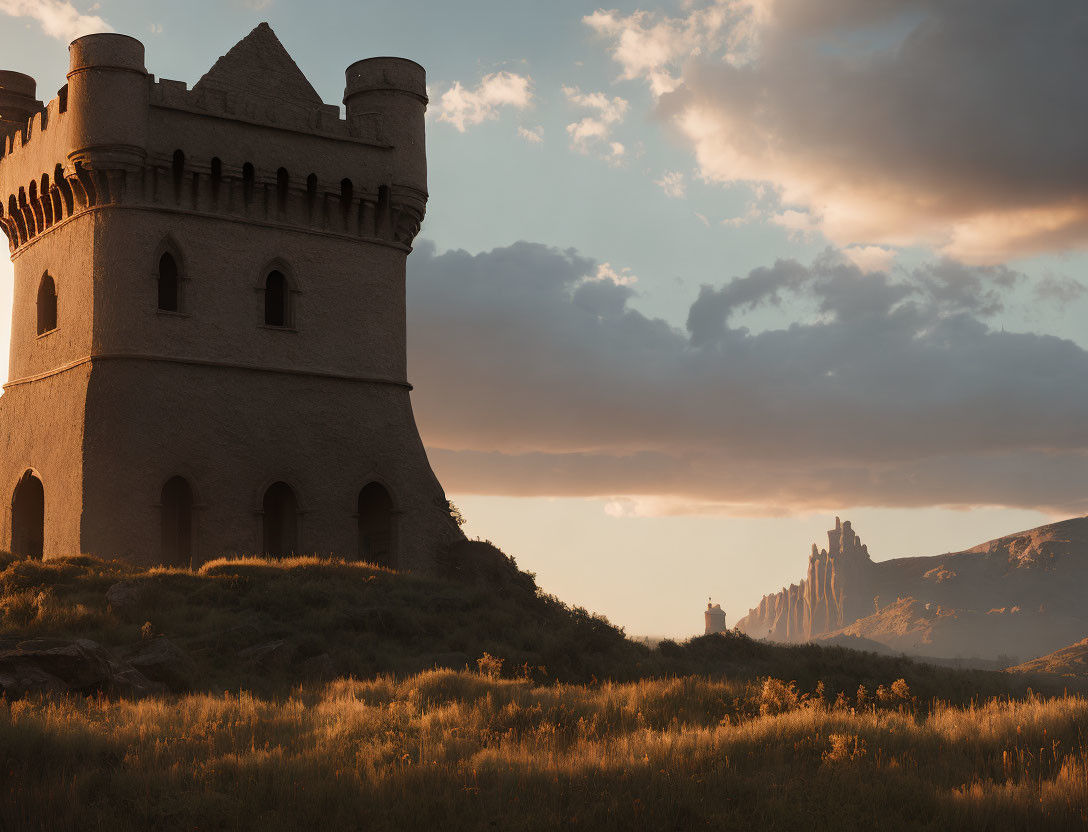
(324, 120)
(251, 140)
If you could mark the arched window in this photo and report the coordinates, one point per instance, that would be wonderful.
(376, 533)
(347, 194)
(280, 508)
(169, 284)
(177, 523)
(28, 517)
(249, 178)
(384, 221)
(178, 170)
(47, 305)
(283, 180)
(277, 300)
(217, 178)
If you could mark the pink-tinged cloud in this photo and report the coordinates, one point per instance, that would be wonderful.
(535, 376)
(959, 125)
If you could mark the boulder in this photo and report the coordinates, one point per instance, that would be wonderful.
(266, 657)
(82, 666)
(123, 598)
(162, 661)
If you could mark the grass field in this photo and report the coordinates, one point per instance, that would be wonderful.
(554, 721)
(457, 750)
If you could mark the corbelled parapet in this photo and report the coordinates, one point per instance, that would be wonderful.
(830, 596)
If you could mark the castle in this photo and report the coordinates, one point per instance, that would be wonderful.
(208, 332)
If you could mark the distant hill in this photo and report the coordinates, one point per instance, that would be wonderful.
(1069, 661)
(1020, 596)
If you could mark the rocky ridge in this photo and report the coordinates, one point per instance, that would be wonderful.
(1021, 595)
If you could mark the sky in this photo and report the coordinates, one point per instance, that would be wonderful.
(699, 275)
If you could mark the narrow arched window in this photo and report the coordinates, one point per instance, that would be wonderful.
(47, 305)
(283, 180)
(169, 289)
(347, 194)
(276, 300)
(384, 221)
(217, 179)
(178, 169)
(249, 178)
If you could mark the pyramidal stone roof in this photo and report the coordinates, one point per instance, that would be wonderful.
(259, 65)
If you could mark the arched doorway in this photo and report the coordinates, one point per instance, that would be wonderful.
(28, 517)
(280, 509)
(177, 523)
(376, 538)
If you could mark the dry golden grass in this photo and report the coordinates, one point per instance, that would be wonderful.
(460, 750)
(719, 732)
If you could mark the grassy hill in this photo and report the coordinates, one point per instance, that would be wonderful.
(310, 706)
(1071, 661)
(267, 625)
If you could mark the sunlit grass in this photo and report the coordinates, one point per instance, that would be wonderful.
(463, 750)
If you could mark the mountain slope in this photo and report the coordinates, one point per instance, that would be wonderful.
(1069, 661)
(1019, 595)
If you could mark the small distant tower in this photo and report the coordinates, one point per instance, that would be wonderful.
(715, 618)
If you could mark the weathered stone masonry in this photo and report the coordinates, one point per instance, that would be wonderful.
(208, 331)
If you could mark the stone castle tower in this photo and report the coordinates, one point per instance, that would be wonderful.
(208, 332)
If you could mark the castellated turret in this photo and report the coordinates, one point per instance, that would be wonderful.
(208, 346)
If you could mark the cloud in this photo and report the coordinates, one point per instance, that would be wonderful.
(673, 184)
(57, 18)
(892, 123)
(1059, 288)
(533, 135)
(595, 131)
(870, 258)
(649, 46)
(535, 375)
(621, 277)
(464, 108)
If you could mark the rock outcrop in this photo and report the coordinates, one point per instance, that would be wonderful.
(1017, 596)
(832, 595)
(61, 666)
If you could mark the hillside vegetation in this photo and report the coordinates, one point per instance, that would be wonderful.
(265, 625)
(1069, 661)
(312, 700)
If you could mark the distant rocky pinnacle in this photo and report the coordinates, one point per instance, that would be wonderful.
(828, 598)
(1018, 596)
